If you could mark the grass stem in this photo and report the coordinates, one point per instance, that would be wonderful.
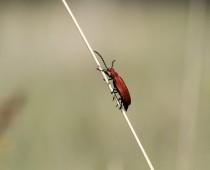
(110, 87)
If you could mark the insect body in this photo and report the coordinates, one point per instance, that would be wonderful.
(119, 85)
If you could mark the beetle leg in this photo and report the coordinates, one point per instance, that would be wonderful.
(104, 70)
(120, 100)
(107, 74)
(114, 91)
(117, 104)
(121, 104)
(100, 69)
(114, 96)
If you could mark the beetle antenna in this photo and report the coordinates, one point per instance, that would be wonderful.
(101, 58)
(113, 63)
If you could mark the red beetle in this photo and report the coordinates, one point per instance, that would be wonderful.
(119, 85)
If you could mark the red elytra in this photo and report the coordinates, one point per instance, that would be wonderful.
(119, 85)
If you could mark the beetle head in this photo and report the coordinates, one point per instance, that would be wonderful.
(112, 72)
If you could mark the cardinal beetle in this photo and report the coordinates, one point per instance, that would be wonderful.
(119, 85)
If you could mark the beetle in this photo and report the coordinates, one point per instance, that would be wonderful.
(118, 83)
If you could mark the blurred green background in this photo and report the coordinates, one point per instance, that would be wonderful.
(68, 119)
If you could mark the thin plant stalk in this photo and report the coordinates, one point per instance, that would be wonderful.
(109, 85)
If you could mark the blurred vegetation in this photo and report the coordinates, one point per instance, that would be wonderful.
(69, 120)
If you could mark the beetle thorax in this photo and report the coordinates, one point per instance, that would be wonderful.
(112, 72)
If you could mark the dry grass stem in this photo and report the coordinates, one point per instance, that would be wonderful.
(110, 87)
